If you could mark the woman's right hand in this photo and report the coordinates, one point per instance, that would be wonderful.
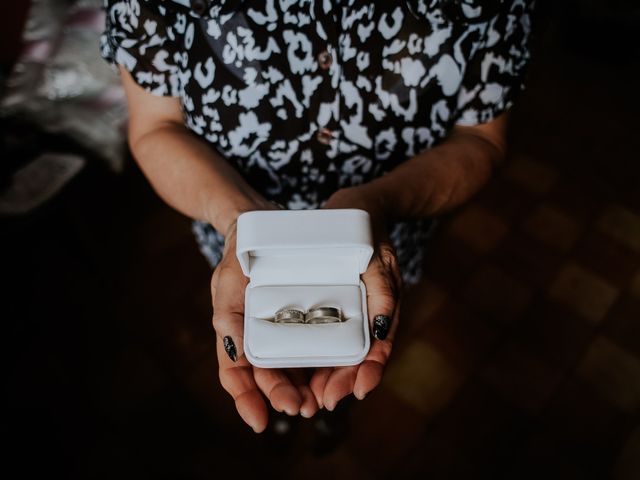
(193, 178)
(286, 390)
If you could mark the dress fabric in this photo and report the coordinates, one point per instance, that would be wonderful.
(306, 97)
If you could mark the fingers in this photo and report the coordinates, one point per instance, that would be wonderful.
(339, 384)
(368, 377)
(309, 405)
(287, 391)
(227, 292)
(236, 374)
(371, 370)
(318, 383)
(279, 389)
(383, 282)
(237, 379)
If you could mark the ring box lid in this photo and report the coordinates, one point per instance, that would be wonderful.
(284, 247)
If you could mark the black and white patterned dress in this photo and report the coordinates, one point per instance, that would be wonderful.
(308, 96)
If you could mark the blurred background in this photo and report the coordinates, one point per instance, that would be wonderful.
(519, 353)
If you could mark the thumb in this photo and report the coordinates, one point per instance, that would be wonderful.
(227, 291)
(382, 281)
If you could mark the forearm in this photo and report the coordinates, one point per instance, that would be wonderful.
(192, 177)
(437, 179)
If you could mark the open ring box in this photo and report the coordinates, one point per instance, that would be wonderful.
(305, 259)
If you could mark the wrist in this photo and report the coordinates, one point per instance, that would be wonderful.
(364, 197)
(374, 200)
(224, 217)
(229, 233)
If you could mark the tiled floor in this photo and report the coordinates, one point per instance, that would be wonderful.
(518, 357)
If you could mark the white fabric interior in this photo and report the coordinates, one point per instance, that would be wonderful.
(308, 233)
(266, 339)
(305, 269)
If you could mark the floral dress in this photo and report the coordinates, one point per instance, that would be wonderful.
(306, 97)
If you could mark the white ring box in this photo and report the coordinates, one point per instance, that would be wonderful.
(305, 259)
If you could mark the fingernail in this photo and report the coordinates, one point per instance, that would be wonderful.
(230, 348)
(360, 396)
(305, 414)
(255, 429)
(381, 325)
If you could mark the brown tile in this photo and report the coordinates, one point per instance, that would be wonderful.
(339, 465)
(521, 376)
(449, 262)
(608, 258)
(578, 434)
(621, 224)
(622, 325)
(475, 437)
(460, 336)
(627, 466)
(527, 260)
(613, 372)
(203, 386)
(168, 229)
(423, 378)
(531, 175)
(176, 272)
(478, 228)
(383, 429)
(420, 303)
(554, 333)
(497, 294)
(553, 227)
(506, 200)
(579, 197)
(176, 324)
(219, 418)
(136, 377)
(179, 332)
(584, 292)
(635, 285)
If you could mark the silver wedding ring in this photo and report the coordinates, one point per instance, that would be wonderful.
(323, 315)
(314, 315)
(289, 315)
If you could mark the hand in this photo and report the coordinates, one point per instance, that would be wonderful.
(384, 283)
(287, 390)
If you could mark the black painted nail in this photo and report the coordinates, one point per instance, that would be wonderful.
(230, 348)
(381, 324)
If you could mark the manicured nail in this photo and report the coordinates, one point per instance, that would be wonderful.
(381, 324)
(360, 396)
(230, 348)
(305, 414)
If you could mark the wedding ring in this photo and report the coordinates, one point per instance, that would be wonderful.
(289, 315)
(323, 315)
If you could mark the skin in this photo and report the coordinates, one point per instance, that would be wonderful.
(191, 177)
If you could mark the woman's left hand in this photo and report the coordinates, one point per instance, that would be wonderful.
(383, 283)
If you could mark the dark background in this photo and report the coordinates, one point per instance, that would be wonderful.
(519, 353)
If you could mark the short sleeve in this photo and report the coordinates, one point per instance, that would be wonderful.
(495, 73)
(144, 38)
